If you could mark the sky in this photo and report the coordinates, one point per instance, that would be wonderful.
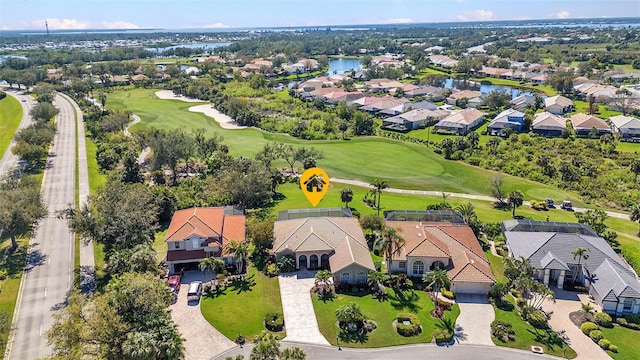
(196, 14)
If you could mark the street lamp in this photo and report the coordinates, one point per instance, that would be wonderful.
(338, 342)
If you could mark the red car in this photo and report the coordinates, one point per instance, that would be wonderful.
(174, 283)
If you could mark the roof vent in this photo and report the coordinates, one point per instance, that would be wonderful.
(417, 226)
(419, 235)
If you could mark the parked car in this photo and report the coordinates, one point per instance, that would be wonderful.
(195, 290)
(549, 202)
(174, 283)
(566, 205)
(24, 100)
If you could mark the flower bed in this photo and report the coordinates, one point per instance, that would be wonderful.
(408, 324)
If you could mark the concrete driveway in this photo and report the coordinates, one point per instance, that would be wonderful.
(566, 303)
(201, 340)
(299, 318)
(473, 326)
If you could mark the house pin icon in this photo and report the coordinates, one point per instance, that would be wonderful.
(314, 183)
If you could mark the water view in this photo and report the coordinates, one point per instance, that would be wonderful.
(339, 66)
(484, 88)
(204, 46)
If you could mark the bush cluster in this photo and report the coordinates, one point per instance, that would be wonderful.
(596, 335)
(442, 336)
(502, 331)
(274, 321)
(411, 329)
(446, 293)
(588, 327)
(538, 319)
(603, 319)
(625, 323)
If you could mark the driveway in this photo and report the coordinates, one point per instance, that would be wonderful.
(568, 302)
(473, 326)
(201, 340)
(299, 318)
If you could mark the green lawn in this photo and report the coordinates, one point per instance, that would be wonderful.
(526, 335)
(403, 165)
(603, 112)
(626, 340)
(10, 117)
(383, 313)
(13, 264)
(497, 267)
(546, 89)
(241, 310)
(96, 179)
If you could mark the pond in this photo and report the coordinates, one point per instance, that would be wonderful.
(339, 66)
(485, 89)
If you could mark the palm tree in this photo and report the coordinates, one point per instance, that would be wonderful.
(376, 278)
(378, 186)
(346, 195)
(240, 251)
(389, 242)
(515, 199)
(635, 215)
(266, 347)
(579, 253)
(324, 277)
(293, 353)
(211, 264)
(437, 279)
(467, 212)
(350, 313)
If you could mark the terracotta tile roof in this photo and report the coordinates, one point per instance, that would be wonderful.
(204, 222)
(349, 252)
(581, 120)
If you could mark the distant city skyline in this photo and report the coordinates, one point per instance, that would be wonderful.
(199, 14)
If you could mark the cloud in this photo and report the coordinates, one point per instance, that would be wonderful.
(63, 24)
(561, 15)
(397, 21)
(477, 15)
(217, 25)
(118, 25)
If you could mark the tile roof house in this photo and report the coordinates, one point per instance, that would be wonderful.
(197, 233)
(508, 119)
(444, 245)
(412, 120)
(549, 248)
(548, 124)
(431, 93)
(558, 105)
(461, 122)
(474, 98)
(583, 124)
(520, 102)
(335, 243)
(627, 126)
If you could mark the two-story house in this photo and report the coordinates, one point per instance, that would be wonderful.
(197, 233)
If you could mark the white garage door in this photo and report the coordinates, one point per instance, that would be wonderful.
(470, 288)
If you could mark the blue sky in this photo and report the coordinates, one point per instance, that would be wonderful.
(181, 14)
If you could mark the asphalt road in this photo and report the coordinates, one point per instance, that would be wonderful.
(49, 266)
(10, 161)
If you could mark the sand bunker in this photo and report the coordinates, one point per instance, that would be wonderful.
(224, 120)
(169, 95)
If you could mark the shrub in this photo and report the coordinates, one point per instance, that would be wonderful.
(634, 319)
(604, 343)
(603, 319)
(3, 274)
(442, 336)
(622, 321)
(588, 327)
(537, 319)
(596, 335)
(446, 293)
(3, 95)
(613, 349)
(274, 321)
(502, 331)
(272, 270)
(515, 293)
(521, 302)
(411, 329)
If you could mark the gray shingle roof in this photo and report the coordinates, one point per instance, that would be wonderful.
(551, 262)
(612, 284)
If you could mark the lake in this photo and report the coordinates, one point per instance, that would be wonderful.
(485, 89)
(339, 66)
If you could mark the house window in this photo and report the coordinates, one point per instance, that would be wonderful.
(176, 245)
(195, 243)
(362, 277)
(628, 304)
(346, 278)
(418, 268)
(437, 265)
(402, 264)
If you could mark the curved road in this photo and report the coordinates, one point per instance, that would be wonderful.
(458, 195)
(48, 273)
(9, 161)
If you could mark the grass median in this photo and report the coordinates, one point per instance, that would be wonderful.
(10, 117)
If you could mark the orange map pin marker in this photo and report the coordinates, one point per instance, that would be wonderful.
(314, 183)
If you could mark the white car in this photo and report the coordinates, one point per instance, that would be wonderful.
(195, 290)
(24, 99)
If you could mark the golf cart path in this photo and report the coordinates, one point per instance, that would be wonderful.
(457, 195)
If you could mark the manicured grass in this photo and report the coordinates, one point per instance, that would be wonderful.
(403, 165)
(603, 112)
(241, 310)
(626, 340)
(526, 335)
(159, 245)
(497, 266)
(10, 117)
(383, 313)
(628, 147)
(13, 264)
(96, 179)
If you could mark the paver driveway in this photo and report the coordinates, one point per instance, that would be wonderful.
(202, 341)
(474, 323)
(299, 318)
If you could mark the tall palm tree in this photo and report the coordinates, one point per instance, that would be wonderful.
(635, 215)
(240, 251)
(346, 195)
(436, 280)
(467, 212)
(211, 264)
(515, 199)
(378, 186)
(579, 253)
(389, 242)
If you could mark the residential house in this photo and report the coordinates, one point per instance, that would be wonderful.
(384, 104)
(431, 93)
(627, 126)
(508, 119)
(548, 124)
(520, 102)
(549, 247)
(600, 93)
(583, 124)
(443, 61)
(473, 98)
(198, 233)
(414, 119)
(452, 246)
(558, 105)
(334, 243)
(461, 122)
(408, 106)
